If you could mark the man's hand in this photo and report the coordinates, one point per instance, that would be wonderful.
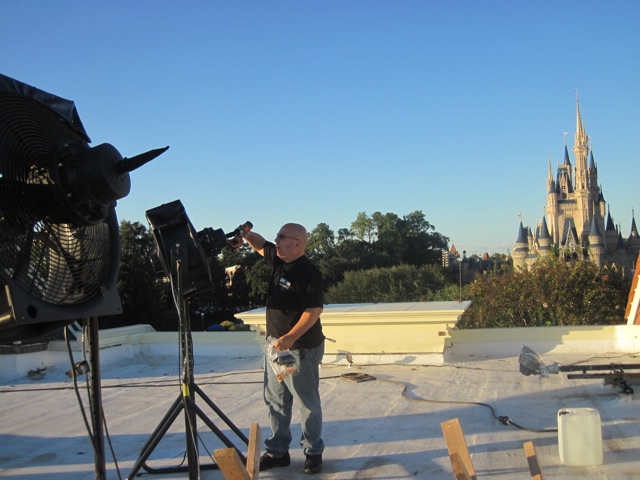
(285, 342)
(308, 318)
(238, 239)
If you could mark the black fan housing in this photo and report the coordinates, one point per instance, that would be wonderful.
(59, 237)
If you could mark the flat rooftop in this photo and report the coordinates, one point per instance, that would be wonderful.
(387, 428)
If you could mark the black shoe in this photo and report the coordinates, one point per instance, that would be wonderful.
(313, 464)
(268, 461)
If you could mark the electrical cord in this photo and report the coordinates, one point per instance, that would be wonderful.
(502, 419)
(76, 389)
(91, 398)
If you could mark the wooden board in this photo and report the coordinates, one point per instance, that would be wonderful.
(253, 453)
(532, 459)
(230, 464)
(456, 444)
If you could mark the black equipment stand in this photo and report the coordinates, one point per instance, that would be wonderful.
(615, 376)
(95, 399)
(187, 398)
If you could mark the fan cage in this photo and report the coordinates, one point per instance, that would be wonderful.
(57, 263)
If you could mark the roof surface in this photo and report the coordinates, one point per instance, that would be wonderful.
(388, 428)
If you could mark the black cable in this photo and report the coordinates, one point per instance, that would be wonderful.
(502, 419)
(98, 457)
(85, 329)
(507, 421)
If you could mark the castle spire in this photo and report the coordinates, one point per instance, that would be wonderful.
(551, 184)
(580, 137)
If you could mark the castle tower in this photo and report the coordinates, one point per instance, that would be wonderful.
(521, 248)
(544, 240)
(552, 205)
(594, 189)
(634, 238)
(584, 210)
(580, 150)
(610, 236)
(596, 247)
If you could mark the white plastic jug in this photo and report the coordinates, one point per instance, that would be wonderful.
(579, 436)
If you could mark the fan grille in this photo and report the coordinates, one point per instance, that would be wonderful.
(58, 263)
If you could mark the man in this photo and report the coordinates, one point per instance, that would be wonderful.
(294, 305)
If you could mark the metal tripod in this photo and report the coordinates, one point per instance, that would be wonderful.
(186, 400)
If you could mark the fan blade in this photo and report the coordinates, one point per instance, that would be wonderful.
(21, 203)
(24, 189)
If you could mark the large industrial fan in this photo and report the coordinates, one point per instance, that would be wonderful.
(59, 239)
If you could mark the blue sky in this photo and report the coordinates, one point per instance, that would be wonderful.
(314, 111)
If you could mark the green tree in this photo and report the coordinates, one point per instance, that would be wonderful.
(321, 242)
(408, 240)
(257, 274)
(401, 283)
(145, 298)
(553, 292)
(364, 228)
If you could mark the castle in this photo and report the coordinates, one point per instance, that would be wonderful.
(578, 224)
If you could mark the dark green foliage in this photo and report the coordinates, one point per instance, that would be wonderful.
(257, 276)
(145, 297)
(376, 242)
(402, 283)
(383, 258)
(554, 292)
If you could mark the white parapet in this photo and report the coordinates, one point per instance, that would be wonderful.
(383, 332)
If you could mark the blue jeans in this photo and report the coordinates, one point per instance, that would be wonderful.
(303, 387)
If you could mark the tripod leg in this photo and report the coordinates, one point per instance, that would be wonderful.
(220, 414)
(217, 431)
(191, 432)
(157, 435)
(97, 413)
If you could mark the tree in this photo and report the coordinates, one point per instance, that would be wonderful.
(401, 283)
(410, 239)
(321, 242)
(145, 299)
(553, 292)
(257, 274)
(364, 228)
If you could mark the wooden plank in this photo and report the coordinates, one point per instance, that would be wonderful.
(459, 470)
(456, 444)
(230, 464)
(532, 459)
(253, 452)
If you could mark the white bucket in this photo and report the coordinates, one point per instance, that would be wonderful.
(579, 436)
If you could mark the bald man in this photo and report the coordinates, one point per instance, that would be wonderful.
(294, 305)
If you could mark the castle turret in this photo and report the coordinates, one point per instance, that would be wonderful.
(593, 175)
(564, 181)
(580, 150)
(544, 239)
(596, 245)
(610, 236)
(584, 205)
(551, 184)
(634, 239)
(521, 248)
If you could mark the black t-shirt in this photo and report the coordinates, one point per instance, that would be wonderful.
(293, 288)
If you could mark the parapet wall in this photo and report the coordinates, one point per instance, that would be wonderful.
(412, 333)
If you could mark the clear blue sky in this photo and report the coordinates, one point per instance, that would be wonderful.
(313, 111)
